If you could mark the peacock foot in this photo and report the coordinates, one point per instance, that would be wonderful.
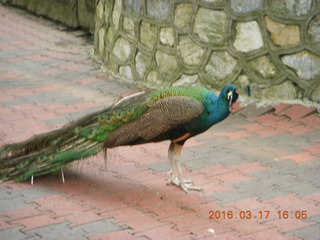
(185, 185)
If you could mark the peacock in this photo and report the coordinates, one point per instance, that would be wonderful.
(175, 114)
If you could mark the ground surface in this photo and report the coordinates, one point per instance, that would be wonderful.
(259, 169)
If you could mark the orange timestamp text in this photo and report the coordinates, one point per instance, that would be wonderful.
(247, 214)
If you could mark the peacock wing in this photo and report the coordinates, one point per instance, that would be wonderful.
(162, 116)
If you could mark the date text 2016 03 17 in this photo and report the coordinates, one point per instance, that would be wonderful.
(247, 214)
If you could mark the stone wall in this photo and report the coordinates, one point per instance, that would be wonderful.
(73, 13)
(273, 45)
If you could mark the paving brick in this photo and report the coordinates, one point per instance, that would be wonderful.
(301, 157)
(147, 222)
(59, 231)
(10, 202)
(163, 231)
(311, 232)
(300, 129)
(283, 124)
(267, 234)
(289, 224)
(315, 149)
(229, 196)
(280, 107)
(252, 111)
(266, 118)
(314, 196)
(247, 226)
(250, 167)
(16, 233)
(231, 177)
(236, 134)
(20, 213)
(6, 224)
(298, 111)
(123, 234)
(158, 167)
(213, 187)
(38, 221)
(98, 227)
(311, 120)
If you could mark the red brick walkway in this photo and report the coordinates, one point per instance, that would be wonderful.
(259, 169)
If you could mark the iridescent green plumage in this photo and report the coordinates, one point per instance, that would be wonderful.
(175, 114)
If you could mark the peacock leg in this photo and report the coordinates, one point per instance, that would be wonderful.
(171, 163)
(62, 175)
(175, 168)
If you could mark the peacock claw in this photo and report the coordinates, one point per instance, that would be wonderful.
(185, 185)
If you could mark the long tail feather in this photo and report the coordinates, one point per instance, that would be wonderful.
(49, 152)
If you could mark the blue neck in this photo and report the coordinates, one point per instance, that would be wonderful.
(216, 109)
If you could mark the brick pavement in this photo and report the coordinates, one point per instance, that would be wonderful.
(259, 169)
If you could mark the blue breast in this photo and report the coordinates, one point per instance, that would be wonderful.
(215, 111)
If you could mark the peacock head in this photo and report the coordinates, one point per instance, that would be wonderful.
(229, 94)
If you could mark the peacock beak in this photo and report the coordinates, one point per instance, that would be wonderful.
(232, 99)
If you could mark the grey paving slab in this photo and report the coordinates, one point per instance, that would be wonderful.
(59, 231)
(19, 199)
(15, 233)
(64, 231)
(157, 167)
(37, 192)
(56, 121)
(229, 196)
(311, 232)
(99, 227)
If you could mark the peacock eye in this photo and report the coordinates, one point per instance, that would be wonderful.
(229, 95)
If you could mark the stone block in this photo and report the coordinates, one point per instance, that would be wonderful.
(263, 67)
(122, 49)
(100, 12)
(126, 73)
(132, 5)
(291, 8)
(190, 52)
(304, 63)
(128, 26)
(148, 34)
(246, 6)
(154, 80)
(101, 38)
(142, 63)
(167, 36)
(314, 31)
(315, 96)
(186, 80)
(110, 37)
(210, 26)
(159, 9)
(116, 13)
(283, 34)
(285, 90)
(182, 15)
(166, 63)
(220, 65)
(248, 37)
